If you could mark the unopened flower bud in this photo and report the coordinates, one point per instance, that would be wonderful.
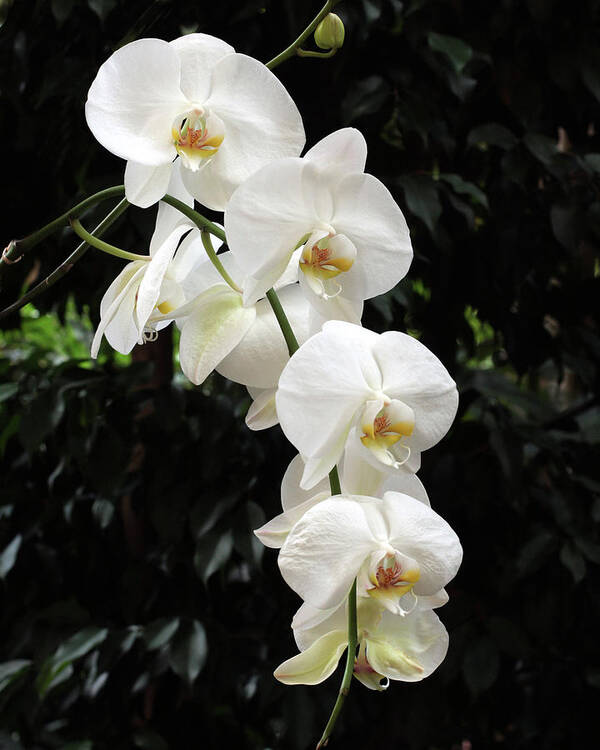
(330, 33)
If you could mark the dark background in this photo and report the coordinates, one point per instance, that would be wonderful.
(137, 610)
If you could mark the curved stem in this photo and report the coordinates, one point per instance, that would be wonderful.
(214, 259)
(68, 264)
(348, 671)
(310, 53)
(104, 246)
(17, 248)
(294, 47)
(284, 323)
(200, 221)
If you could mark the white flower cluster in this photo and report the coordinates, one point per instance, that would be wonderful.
(200, 122)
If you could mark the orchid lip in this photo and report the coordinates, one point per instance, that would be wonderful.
(197, 136)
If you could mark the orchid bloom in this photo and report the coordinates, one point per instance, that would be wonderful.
(138, 302)
(344, 230)
(357, 477)
(386, 391)
(223, 114)
(393, 545)
(391, 647)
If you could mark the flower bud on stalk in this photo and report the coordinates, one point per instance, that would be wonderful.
(330, 33)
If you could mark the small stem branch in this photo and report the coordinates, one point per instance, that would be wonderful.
(348, 671)
(200, 221)
(214, 259)
(310, 53)
(17, 248)
(68, 264)
(294, 47)
(104, 246)
(284, 323)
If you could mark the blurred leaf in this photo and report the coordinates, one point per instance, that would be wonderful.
(160, 632)
(58, 667)
(80, 745)
(147, 739)
(102, 7)
(465, 188)
(8, 556)
(422, 199)
(455, 49)
(8, 390)
(493, 134)
(481, 665)
(212, 552)
(593, 160)
(535, 552)
(188, 652)
(367, 96)
(590, 549)
(571, 558)
(10, 670)
(543, 148)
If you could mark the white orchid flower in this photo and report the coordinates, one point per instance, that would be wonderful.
(386, 391)
(405, 648)
(357, 477)
(394, 546)
(138, 302)
(223, 114)
(346, 233)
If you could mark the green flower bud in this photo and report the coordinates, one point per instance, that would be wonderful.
(330, 33)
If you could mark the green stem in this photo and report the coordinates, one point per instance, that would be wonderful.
(104, 246)
(294, 47)
(200, 221)
(68, 264)
(348, 671)
(284, 323)
(214, 259)
(17, 248)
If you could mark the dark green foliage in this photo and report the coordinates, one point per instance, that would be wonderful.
(138, 611)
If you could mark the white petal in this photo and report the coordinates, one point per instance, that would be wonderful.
(414, 375)
(217, 324)
(199, 53)
(262, 413)
(420, 533)
(407, 648)
(168, 217)
(274, 533)
(262, 354)
(117, 311)
(134, 100)
(367, 214)
(266, 218)
(291, 493)
(317, 663)
(325, 550)
(309, 623)
(145, 185)
(344, 151)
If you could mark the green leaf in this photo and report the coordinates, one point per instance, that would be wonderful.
(8, 390)
(366, 96)
(188, 652)
(455, 49)
(58, 667)
(421, 193)
(466, 188)
(147, 739)
(160, 632)
(593, 160)
(79, 745)
(543, 148)
(10, 670)
(212, 553)
(9, 555)
(492, 134)
(535, 552)
(41, 418)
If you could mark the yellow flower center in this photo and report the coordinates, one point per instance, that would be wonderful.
(197, 138)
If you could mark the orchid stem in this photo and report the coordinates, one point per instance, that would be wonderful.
(17, 248)
(294, 48)
(200, 221)
(214, 259)
(99, 244)
(309, 53)
(348, 671)
(334, 483)
(67, 264)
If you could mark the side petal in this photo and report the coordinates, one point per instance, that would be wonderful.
(145, 185)
(274, 533)
(217, 324)
(316, 664)
(325, 550)
(344, 151)
(134, 100)
(367, 214)
(292, 494)
(262, 413)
